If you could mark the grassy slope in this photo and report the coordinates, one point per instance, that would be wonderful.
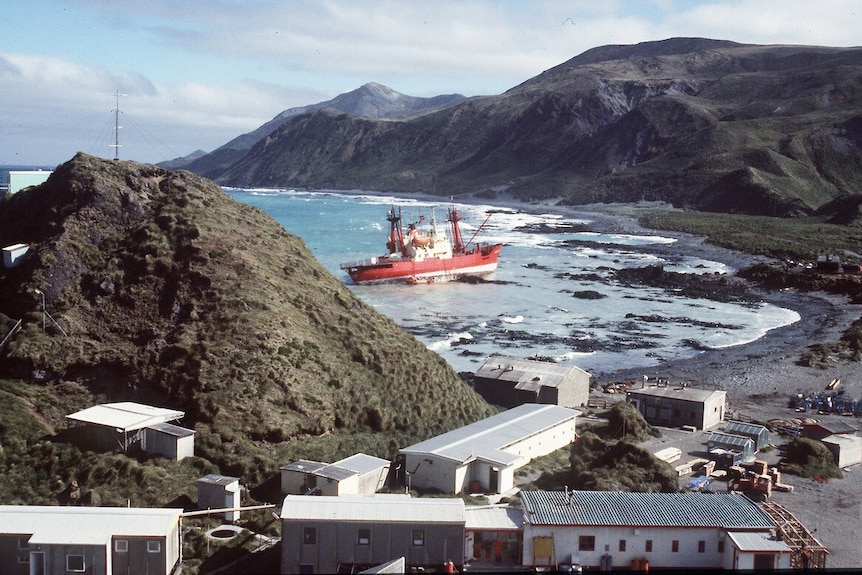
(176, 295)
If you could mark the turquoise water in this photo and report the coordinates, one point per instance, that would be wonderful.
(528, 308)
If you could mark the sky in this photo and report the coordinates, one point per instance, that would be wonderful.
(194, 74)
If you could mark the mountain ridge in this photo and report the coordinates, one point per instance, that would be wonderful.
(701, 124)
(371, 100)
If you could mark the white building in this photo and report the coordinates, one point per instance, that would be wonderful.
(845, 448)
(92, 540)
(359, 473)
(484, 455)
(682, 531)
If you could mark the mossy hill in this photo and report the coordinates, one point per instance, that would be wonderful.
(162, 289)
(704, 124)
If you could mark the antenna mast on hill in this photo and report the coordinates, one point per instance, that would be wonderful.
(116, 144)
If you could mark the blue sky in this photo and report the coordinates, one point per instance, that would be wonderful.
(196, 73)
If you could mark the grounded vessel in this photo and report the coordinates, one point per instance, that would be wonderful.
(419, 257)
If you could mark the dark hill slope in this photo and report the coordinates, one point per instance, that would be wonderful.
(174, 294)
(704, 124)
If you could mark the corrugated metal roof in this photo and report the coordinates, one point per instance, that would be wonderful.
(303, 466)
(842, 439)
(757, 541)
(494, 518)
(171, 429)
(215, 479)
(720, 438)
(611, 508)
(399, 508)
(486, 439)
(362, 463)
(678, 392)
(52, 525)
(836, 426)
(125, 415)
(528, 374)
(740, 428)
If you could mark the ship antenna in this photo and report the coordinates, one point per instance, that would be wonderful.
(116, 110)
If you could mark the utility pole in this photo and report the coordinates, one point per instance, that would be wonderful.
(116, 144)
(44, 312)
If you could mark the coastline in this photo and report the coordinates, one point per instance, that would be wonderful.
(760, 377)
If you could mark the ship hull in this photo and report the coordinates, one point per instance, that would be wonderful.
(390, 269)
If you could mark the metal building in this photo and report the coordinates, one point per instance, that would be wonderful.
(99, 540)
(350, 533)
(758, 433)
(509, 382)
(678, 406)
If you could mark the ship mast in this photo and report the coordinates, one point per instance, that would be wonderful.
(116, 110)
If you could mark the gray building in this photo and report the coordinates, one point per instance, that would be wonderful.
(122, 425)
(757, 433)
(678, 406)
(220, 492)
(49, 540)
(350, 533)
(509, 382)
(729, 442)
(169, 440)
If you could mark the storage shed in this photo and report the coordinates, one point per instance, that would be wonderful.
(220, 492)
(359, 473)
(484, 455)
(730, 442)
(14, 254)
(678, 406)
(169, 440)
(820, 429)
(758, 433)
(509, 382)
(845, 448)
(121, 425)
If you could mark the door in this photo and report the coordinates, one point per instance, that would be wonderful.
(494, 481)
(37, 563)
(764, 561)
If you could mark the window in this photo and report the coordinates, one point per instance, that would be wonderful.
(586, 543)
(23, 543)
(75, 563)
(364, 537)
(622, 544)
(154, 546)
(121, 545)
(648, 546)
(701, 546)
(721, 546)
(418, 537)
(674, 546)
(309, 536)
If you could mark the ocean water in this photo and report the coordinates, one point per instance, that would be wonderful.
(534, 304)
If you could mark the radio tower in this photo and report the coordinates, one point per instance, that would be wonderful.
(116, 144)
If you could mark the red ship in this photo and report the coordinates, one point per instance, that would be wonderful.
(419, 256)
